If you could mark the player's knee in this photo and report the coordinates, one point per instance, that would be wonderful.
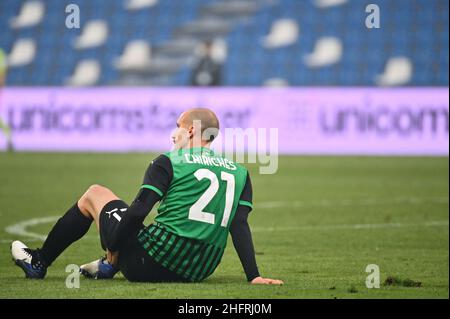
(95, 189)
(85, 202)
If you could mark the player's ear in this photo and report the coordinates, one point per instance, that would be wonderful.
(191, 131)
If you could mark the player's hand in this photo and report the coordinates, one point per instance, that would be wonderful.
(266, 281)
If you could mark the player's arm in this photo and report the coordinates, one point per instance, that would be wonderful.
(242, 238)
(156, 182)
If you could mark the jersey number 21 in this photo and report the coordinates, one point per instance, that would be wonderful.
(196, 211)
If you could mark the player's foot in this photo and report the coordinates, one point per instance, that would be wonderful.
(99, 269)
(29, 260)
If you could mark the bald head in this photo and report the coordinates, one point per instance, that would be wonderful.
(203, 120)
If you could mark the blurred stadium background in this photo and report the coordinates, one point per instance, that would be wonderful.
(258, 42)
(341, 89)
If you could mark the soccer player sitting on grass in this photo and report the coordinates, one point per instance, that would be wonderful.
(202, 197)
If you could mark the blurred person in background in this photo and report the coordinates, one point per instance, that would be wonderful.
(207, 72)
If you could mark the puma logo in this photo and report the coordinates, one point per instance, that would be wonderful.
(115, 215)
(111, 211)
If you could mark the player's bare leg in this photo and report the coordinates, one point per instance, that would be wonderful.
(72, 226)
(92, 203)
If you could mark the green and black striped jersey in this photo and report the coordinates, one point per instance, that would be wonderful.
(192, 259)
(200, 194)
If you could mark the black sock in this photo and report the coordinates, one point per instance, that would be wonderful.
(68, 229)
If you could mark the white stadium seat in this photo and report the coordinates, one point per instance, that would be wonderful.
(94, 34)
(283, 32)
(323, 4)
(140, 4)
(30, 15)
(22, 53)
(276, 83)
(327, 51)
(87, 73)
(135, 56)
(398, 71)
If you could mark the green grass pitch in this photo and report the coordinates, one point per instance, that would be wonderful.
(317, 223)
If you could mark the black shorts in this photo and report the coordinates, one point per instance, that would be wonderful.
(134, 261)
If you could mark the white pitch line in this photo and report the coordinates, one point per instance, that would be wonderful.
(9, 241)
(435, 223)
(351, 202)
(20, 229)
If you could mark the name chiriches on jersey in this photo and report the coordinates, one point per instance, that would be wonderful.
(209, 161)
